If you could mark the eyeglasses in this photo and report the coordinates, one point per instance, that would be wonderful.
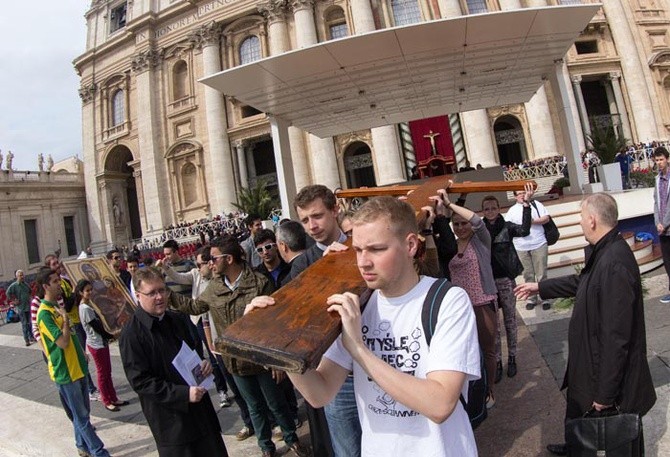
(154, 293)
(460, 224)
(116, 257)
(265, 247)
(214, 258)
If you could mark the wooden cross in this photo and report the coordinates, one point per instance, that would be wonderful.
(293, 334)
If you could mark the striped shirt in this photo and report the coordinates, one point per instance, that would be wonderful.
(34, 306)
(65, 365)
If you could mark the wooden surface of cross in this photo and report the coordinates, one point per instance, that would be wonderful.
(293, 334)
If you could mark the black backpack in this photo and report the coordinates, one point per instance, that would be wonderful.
(478, 389)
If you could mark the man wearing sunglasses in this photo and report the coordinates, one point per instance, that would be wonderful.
(114, 259)
(272, 266)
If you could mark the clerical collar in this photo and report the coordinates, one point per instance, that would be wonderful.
(341, 239)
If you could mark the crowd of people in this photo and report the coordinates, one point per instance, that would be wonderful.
(370, 395)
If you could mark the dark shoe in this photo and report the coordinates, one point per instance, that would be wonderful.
(27, 343)
(298, 449)
(530, 306)
(243, 434)
(546, 305)
(83, 453)
(269, 453)
(112, 407)
(298, 423)
(558, 449)
(511, 367)
(490, 401)
(498, 377)
(121, 403)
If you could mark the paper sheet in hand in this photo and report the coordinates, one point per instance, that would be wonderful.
(187, 362)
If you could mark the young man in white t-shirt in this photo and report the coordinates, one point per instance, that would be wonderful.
(407, 393)
(533, 250)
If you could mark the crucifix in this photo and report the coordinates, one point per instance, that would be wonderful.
(431, 136)
(294, 334)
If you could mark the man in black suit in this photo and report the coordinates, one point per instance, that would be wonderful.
(607, 359)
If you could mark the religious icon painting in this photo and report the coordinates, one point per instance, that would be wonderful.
(110, 298)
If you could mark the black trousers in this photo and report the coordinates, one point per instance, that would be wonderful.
(210, 445)
(665, 251)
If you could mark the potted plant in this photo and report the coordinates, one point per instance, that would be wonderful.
(256, 200)
(606, 141)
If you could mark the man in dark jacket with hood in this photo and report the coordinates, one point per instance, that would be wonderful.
(607, 359)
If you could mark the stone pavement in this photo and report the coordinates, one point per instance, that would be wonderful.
(527, 416)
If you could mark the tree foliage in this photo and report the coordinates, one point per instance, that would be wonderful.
(606, 141)
(256, 200)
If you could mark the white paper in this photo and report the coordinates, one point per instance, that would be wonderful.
(187, 362)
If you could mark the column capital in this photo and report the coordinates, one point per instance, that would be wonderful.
(576, 79)
(146, 60)
(240, 143)
(207, 35)
(298, 5)
(86, 93)
(273, 10)
(614, 75)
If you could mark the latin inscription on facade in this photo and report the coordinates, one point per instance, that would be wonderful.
(185, 21)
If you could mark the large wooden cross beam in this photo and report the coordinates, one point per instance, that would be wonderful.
(293, 334)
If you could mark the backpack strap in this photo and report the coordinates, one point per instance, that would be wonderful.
(431, 308)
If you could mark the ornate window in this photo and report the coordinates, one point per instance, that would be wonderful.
(117, 17)
(189, 181)
(118, 108)
(405, 12)
(250, 50)
(336, 24)
(180, 86)
(477, 6)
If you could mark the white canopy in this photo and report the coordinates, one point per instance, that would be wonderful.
(412, 72)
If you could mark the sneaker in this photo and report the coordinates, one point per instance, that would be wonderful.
(546, 305)
(490, 401)
(269, 452)
(665, 299)
(277, 433)
(298, 423)
(298, 449)
(558, 449)
(95, 396)
(83, 453)
(224, 401)
(243, 434)
(530, 306)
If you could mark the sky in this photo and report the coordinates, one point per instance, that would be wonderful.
(40, 108)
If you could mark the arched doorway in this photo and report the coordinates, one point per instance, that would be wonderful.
(358, 165)
(122, 202)
(510, 140)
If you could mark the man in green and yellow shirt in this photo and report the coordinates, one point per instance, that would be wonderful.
(67, 363)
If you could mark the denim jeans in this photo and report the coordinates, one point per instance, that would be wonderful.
(26, 325)
(76, 397)
(260, 392)
(81, 335)
(343, 423)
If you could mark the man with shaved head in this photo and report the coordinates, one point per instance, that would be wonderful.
(607, 358)
(19, 295)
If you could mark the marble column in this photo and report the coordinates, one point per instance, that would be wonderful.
(475, 125)
(274, 12)
(323, 155)
(537, 110)
(449, 8)
(154, 174)
(89, 122)
(615, 78)
(581, 105)
(386, 152)
(280, 142)
(575, 111)
(220, 154)
(633, 71)
(242, 164)
(572, 150)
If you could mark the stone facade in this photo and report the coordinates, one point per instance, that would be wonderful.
(160, 148)
(40, 213)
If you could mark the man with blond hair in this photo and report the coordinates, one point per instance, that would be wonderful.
(607, 346)
(407, 392)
